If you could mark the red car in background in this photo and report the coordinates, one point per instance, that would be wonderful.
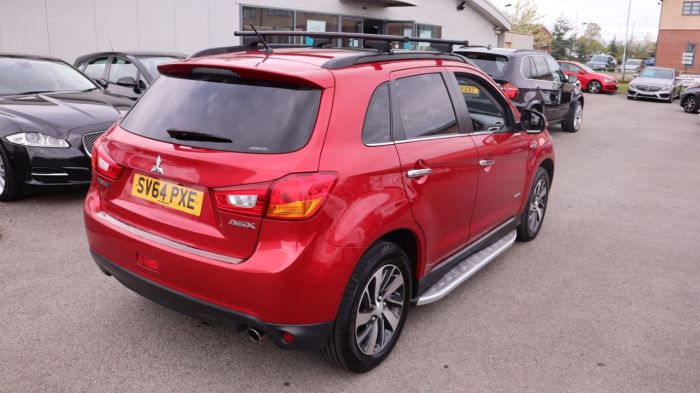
(591, 81)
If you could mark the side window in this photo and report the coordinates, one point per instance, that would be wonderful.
(540, 70)
(526, 68)
(120, 68)
(96, 67)
(425, 106)
(557, 75)
(377, 127)
(486, 111)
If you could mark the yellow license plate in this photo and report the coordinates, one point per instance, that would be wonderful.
(473, 90)
(168, 194)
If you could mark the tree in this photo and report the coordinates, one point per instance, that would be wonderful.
(615, 49)
(525, 18)
(562, 40)
(590, 43)
(593, 31)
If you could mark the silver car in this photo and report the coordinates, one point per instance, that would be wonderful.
(656, 83)
(633, 65)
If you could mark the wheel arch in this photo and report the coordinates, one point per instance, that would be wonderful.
(408, 241)
(548, 165)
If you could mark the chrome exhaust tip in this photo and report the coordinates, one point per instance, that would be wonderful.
(255, 335)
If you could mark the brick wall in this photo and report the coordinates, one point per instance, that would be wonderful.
(672, 44)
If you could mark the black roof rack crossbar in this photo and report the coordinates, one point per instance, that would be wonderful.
(381, 42)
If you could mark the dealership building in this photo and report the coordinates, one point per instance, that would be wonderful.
(70, 28)
(679, 36)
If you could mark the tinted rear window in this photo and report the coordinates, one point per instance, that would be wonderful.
(258, 117)
(497, 66)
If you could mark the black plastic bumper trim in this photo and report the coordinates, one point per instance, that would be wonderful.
(306, 337)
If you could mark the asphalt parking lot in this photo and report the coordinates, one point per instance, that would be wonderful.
(607, 299)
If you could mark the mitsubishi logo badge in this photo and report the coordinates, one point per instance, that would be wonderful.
(157, 169)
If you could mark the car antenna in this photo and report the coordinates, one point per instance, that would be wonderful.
(262, 40)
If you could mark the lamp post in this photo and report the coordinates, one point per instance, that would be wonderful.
(624, 51)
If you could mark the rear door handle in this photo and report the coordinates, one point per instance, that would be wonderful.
(533, 145)
(415, 173)
(486, 163)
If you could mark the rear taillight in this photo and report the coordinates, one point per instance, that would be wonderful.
(510, 90)
(103, 164)
(293, 197)
(249, 199)
(299, 196)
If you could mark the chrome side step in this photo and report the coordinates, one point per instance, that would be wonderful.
(465, 269)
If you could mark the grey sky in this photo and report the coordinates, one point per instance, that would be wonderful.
(611, 15)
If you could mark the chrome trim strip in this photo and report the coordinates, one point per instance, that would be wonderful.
(427, 138)
(427, 299)
(49, 174)
(454, 254)
(165, 242)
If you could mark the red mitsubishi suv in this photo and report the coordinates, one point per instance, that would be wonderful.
(312, 195)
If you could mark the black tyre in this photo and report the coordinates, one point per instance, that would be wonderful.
(690, 104)
(574, 118)
(373, 310)
(594, 87)
(9, 189)
(533, 214)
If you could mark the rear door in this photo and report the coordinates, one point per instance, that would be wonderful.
(547, 90)
(438, 158)
(565, 88)
(502, 153)
(211, 134)
(121, 67)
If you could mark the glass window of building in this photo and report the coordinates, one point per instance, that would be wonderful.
(401, 28)
(313, 21)
(351, 25)
(268, 19)
(427, 31)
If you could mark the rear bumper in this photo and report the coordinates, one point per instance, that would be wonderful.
(308, 336)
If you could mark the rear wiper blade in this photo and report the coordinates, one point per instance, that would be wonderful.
(186, 135)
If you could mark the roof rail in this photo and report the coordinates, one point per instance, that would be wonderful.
(380, 42)
(240, 48)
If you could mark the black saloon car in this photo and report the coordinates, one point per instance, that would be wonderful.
(533, 80)
(50, 116)
(125, 74)
(690, 99)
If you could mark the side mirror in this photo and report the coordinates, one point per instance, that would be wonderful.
(582, 72)
(572, 78)
(635, 75)
(127, 81)
(101, 82)
(532, 122)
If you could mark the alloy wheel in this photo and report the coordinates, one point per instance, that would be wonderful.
(537, 206)
(2, 176)
(594, 87)
(380, 309)
(578, 117)
(690, 105)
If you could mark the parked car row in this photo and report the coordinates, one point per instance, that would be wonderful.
(312, 197)
(51, 114)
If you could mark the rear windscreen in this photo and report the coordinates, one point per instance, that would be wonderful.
(225, 112)
(496, 66)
